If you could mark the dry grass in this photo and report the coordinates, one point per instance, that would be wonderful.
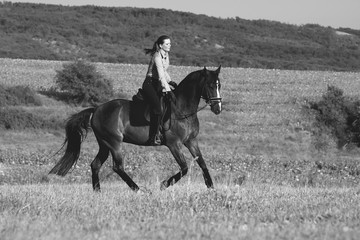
(186, 211)
(270, 180)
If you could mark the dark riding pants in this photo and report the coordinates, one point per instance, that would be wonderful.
(151, 88)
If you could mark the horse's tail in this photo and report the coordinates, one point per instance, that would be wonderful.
(77, 127)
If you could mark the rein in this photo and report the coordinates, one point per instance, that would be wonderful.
(191, 114)
(208, 102)
(185, 116)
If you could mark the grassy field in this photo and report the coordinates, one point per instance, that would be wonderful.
(270, 180)
(185, 211)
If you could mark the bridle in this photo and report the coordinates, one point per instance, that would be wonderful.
(211, 100)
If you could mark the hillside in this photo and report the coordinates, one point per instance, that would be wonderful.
(118, 35)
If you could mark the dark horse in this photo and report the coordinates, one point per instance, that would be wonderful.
(111, 123)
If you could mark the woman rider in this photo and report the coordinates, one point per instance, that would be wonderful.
(157, 82)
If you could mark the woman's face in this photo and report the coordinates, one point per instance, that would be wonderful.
(166, 45)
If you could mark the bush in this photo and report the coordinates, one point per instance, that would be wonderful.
(18, 95)
(338, 115)
(18, 118)
(54, 93)
(83, 83)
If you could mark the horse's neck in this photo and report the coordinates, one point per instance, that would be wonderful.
(188, 95)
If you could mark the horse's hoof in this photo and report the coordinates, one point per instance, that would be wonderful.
(163, 185)
(144, 190)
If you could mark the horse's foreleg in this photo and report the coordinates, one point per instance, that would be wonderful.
(118, 167)
(180, 159)
(206, 174)
(96, 165)
(193, 147)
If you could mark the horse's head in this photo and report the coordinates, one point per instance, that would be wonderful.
(211, 89)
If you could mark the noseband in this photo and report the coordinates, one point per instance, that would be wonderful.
(213, 100)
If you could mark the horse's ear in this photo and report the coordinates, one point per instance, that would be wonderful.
(218, 70)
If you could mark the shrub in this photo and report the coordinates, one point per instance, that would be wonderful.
(338, 115)
(18, 95)
(18, 118)
(83, 83)
(54, 93)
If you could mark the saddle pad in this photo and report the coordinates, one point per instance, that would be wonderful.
(139, 113)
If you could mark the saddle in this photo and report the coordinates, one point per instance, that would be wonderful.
(138, 97)
(140, 110)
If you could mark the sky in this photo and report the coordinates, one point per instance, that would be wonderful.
(333, 13)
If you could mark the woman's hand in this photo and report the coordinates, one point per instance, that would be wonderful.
(170, 96)
(172, 84)
(165, 86)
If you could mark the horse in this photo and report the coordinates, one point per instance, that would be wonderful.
(113, 123)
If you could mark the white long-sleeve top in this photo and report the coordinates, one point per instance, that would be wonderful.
(158, 66)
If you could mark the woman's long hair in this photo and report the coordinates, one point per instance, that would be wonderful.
(156, 45)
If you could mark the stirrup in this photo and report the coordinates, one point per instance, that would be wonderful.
(155, 140)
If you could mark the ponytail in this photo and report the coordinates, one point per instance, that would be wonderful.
(152, 50)
(156, 46)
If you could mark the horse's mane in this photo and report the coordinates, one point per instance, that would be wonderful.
(189, 78)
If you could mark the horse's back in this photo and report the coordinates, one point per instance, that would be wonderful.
(107, 115)
(122, 111)
(113, 107)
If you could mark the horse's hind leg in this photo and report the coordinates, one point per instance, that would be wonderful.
(118, 167)
(193, 147)
(96, 165)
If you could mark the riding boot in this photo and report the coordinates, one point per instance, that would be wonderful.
(155, 138)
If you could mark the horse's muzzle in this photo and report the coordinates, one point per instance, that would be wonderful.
(216, 108)
(215, 104)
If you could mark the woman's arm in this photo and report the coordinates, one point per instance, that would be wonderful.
(163, 75)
